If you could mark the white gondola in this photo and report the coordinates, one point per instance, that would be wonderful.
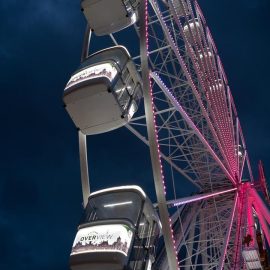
(239, 151)
(252, 258)
(103, 94)
(218, 86)
(205, 54)
(118, 231)
(192, 30)
(109, 16)
(180, 9)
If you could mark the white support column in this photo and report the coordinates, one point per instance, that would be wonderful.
(86, 43)
(84, 167)
(153, 143)
(82, 137)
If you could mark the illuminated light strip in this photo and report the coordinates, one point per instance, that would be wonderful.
(217, 100)
(191, 124)
(102, 70)
(250, 221)
(117, 204)
(112, 48)
(238, 131)
(199, 72)
(199, 197)
(227, 122)
(170, 246)
(232, 120)
(188, 76)
(137, 188)
(221, 110)
(99, 250)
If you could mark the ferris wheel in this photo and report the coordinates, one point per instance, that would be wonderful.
(169, 89)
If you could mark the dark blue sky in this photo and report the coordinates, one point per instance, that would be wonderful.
(40, 46)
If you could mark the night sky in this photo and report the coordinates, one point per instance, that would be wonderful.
(40, 192)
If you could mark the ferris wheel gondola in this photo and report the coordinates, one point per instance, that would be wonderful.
(119, 230)
(113, 15)
(104, 93)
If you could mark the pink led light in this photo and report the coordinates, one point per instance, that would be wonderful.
(219, 118)
(155, 129)
(203, 197)
(250, 221)
(260, 204)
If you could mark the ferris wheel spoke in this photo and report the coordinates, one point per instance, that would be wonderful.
(199, 197)
(191, 124)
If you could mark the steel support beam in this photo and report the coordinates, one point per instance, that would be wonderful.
(86, 43)
(84, 167)
(153, 142)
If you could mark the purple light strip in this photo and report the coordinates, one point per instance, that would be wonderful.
(196, 198)
(157, 138)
